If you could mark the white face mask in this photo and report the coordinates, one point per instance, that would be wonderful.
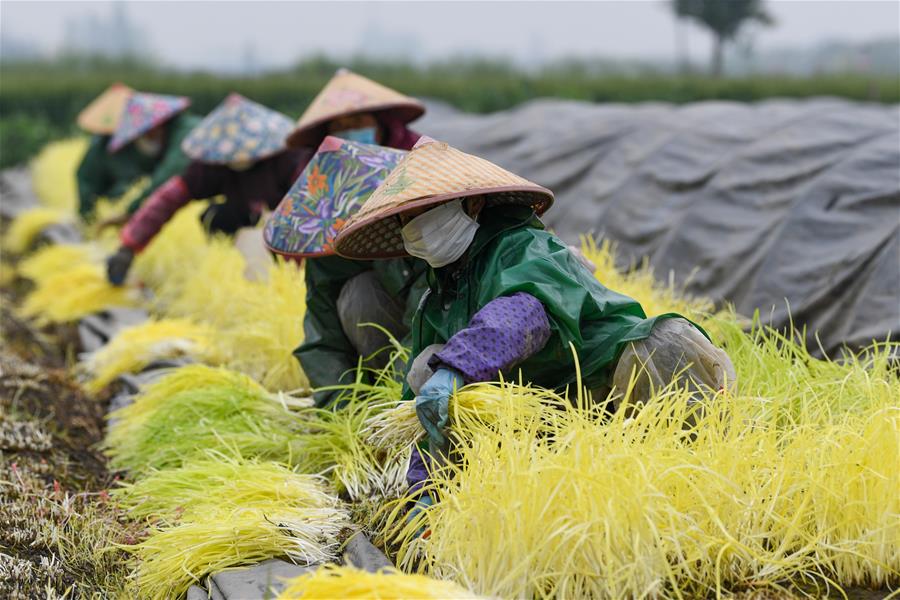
(441, 235)
(148, 147)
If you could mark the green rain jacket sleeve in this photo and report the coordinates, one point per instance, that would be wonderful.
(326, 355)
(173, 162)
(94, 179)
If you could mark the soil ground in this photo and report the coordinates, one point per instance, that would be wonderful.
(56, 523)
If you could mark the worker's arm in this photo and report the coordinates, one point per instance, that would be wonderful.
(156, 212)
(505, 332)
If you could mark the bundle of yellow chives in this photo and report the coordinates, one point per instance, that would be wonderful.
(134, 348)
(26, 227)
(332, 581)
(73, 294)
(53, 174)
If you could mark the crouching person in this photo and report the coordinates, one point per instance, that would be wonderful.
(344, 298)
(136, 134)
(504, 294)
(237, 151)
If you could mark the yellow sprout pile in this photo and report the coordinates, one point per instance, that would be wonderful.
(766, 489)
(74, 293)
(53, 174)
(328, 583)
(257, 323)
(136, 347)
(29, 224)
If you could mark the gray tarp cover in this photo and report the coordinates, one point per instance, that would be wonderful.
(769, 205)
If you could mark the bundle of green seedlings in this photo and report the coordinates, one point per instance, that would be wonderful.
(784, 483)
(198, 408)
(219, 512)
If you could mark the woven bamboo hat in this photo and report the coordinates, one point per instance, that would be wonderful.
(142, 113)
(432, 173)
(102, 115)
(347, 94)
(237, 130)
(335, 183)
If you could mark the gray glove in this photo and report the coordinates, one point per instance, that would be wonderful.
(118, 264)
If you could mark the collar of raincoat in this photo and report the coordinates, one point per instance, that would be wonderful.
(493, 221)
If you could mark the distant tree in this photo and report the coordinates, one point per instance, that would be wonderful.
(724, 18)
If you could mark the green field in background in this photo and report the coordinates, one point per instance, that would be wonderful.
(39, 101)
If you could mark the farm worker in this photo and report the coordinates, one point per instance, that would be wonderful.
(101, 173)
(504, 294)
(237, 151)
(343, 295)
(355, 108)
(146, 133)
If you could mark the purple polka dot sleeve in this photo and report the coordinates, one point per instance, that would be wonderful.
(505, 332)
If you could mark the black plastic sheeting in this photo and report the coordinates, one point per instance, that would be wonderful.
(788, 207)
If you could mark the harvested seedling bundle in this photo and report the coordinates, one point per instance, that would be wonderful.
(237, 417)
(331, 581)
(333, 439)
(53, 174)
(219, 535)
(219, 512)
(399, 426)
(74, 293)
(28, 225)
(49, 261)
(134, 348)
(130, 419)
(171, 493)
(335, 436)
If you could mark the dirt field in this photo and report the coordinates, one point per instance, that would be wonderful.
(55, 520)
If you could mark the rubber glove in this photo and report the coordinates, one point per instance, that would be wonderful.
(433, 405)
(118, 264)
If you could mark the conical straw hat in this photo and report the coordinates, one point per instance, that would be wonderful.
(238, 130)
(144, 112)
(335, 183)
(346, 94)
(102, 115)
(432, 173)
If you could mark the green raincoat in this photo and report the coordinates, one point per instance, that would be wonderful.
(102, 173)
(513, 253)
(326, 355)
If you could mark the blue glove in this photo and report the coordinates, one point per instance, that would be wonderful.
(433, 405)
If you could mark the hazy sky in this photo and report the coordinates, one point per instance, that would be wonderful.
(215, 34)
